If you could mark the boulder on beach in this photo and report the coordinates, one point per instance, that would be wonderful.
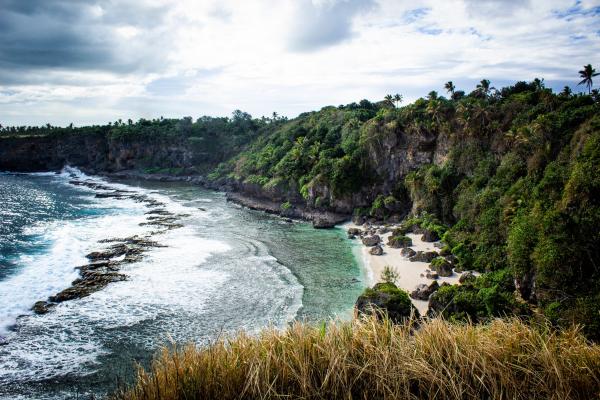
(354, 231)
(323, 223)
(432, 275)
(430, 236)
(399, 241)
(423, 256)
(371, 240)
(423, 291)
(467, 277)
(387, 298)
(376, 250)
(407, 252)
(441, 266)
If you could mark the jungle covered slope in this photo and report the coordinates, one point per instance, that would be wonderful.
(509, 178)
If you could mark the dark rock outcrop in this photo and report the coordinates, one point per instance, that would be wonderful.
(376, 250)
(423, 291)
(441, 266)
(430, 236)
(387, 298)
(407, 252)
(398, 242)
(424, 256)
(371, 240)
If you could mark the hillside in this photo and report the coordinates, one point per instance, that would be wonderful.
(509, 178)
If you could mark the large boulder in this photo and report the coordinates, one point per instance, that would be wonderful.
(371, 240)
(388, 298)
(354, 231)
(323, 223)
(430, 236)
(407, 252)
(441, 266)
(376, 250)
(398, 242)
(424, 256)
(423, 291)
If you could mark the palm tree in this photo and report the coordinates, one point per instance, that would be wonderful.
(390, 99)
(566, 92)
(484, 87)
(587, 73)
(450, 88)
(397, 99)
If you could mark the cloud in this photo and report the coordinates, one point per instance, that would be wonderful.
(94, 61)
(318, 25)
(81, 35)
(495, 8)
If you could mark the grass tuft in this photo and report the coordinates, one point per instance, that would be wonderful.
(368, 358)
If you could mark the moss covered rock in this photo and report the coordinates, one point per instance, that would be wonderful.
(388, 298)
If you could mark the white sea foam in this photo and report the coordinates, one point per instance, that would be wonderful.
(170, 292)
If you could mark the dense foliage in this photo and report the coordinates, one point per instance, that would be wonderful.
(509, 180)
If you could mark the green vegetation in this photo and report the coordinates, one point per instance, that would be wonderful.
(508, 178)
(389, 275)
(373, 359)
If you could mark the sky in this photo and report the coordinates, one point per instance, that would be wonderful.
(95, 61)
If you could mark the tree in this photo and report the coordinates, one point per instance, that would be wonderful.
(433, 95)
(390, 99)
(566, 92)
(587, 73)
(484, 88)
(389, 275)
(450, 88)
(397, 99)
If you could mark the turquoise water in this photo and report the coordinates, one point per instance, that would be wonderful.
(227, 269)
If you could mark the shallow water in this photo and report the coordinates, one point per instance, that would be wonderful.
(227, 269)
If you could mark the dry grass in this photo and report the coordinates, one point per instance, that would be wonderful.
(371, 359)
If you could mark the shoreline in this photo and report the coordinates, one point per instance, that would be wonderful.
(411, 273)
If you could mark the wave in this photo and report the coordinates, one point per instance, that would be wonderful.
(177, 291)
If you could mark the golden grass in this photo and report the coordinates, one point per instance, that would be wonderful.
(372, 359)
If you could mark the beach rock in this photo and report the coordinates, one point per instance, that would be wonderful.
(467, 277)
(323, 223)
(398, 242)
(376, 250)
(3, 341)
(430, 236)
(387, 298)
(432, 275)
(407, 252)
(423, 291)
(441, 266)
(354, 231)
(423, 256)
(383, 230)
(371, 240)
(359, 219)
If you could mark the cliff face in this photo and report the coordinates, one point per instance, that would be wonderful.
(94, 153)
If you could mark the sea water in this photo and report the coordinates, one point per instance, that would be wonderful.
(227, 269)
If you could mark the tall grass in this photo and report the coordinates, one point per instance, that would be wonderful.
(373, 359)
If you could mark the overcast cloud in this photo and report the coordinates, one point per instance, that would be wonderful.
(94, 61)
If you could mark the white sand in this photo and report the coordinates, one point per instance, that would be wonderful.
(410, 272)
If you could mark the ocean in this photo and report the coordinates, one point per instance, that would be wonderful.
(226, 269)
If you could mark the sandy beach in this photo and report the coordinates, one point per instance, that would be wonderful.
(411, 273)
